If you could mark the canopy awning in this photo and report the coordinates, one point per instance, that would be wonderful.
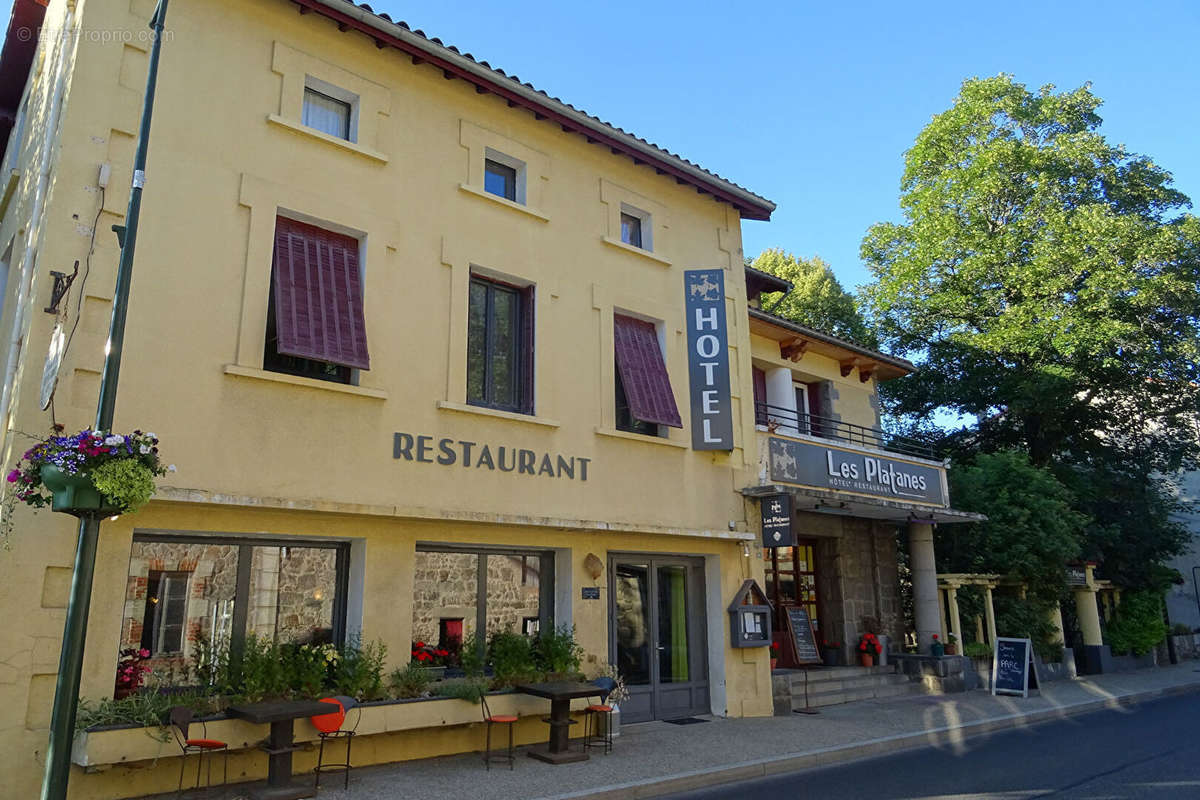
(820, 501)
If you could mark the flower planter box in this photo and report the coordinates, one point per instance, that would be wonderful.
(75, 494)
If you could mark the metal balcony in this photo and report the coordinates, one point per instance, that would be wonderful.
(787, 421)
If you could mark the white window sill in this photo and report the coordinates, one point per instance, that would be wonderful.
(309, 383)
(446, 405)
(617, 243)
(640, 437)
(503, 201)
(353, 147)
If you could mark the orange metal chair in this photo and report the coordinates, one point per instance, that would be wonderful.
(594, 714)
(497, 719)
(181, 721)
(329, 726)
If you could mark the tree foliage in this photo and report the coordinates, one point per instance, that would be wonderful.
(817, 299)
(1045, 278)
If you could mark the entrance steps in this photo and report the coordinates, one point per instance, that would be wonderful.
(828, 686)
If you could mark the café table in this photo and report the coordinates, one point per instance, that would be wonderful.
(560, 694)
(279, 746)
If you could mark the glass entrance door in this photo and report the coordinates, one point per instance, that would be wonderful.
(791, 580)
(657, 636)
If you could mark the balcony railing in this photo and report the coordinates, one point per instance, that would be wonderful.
(786, 420)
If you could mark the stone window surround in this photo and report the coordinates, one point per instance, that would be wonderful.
(265, 201)
(370, 109)
(655, 223)
(532, 166)
(668, 322)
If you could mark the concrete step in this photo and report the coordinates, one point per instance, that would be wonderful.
(838, 697)
(860, 682)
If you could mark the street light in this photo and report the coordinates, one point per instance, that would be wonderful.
(70, 662)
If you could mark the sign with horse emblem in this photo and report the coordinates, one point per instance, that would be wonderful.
(708, 359)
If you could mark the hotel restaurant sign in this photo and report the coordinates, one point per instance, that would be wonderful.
(807, 464)
(708, 359)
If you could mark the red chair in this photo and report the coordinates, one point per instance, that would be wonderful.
(497, 719)
(329, 726)
(181, 721)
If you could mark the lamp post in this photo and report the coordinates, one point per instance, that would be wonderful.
(70, 662)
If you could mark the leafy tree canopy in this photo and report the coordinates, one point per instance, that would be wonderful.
(817, 299)
(1047, 281)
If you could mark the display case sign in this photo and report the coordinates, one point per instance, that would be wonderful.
(708, 359)
(809, 464)
(777, 520)
(590, 593)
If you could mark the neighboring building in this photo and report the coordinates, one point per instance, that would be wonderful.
(417, 336)
(1183, 599)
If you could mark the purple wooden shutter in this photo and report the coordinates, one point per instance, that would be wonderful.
(760, 397)
(643, 372)
(318, 295)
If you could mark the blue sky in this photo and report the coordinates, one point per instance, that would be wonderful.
(813, 106)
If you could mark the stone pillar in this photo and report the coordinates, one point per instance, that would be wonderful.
(955, 619)
(924, 580)
(990, 610)
(979, 637)
(942, 613)
(1089, 616)
(1057, 622)
(781, 396)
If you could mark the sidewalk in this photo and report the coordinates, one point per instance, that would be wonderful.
(657, 758)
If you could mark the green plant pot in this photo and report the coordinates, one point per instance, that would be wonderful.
(75, 494)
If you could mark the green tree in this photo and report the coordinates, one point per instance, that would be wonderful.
(817, 299)
(1046, 280)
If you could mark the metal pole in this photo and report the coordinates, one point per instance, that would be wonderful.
(70, 663)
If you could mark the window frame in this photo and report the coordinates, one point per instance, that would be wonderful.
(645, 227)
(336, 93)
(634, 229)
(546, 580)
(157, 615)
(520, 174)
(492, 167)
(524, 351)
(245, 545)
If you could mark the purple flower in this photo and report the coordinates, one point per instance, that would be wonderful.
(14, 476)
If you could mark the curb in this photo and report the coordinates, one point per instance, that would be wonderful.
(828, 756)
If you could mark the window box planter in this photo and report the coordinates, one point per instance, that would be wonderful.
(75, 494)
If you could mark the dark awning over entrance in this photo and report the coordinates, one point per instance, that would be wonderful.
(819, 501)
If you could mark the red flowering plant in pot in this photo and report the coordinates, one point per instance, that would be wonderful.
(774, 654)
(89, 473)
(131, 671)
(432, 657)
(868, 648)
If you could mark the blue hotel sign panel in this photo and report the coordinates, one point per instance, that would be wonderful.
(808, 464)
(708, 359)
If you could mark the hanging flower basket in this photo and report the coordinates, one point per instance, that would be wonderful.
(90, 473)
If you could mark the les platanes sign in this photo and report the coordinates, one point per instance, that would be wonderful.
(473, 455)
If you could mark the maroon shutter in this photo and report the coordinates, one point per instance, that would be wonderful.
(526, 357)
(643, 372)
(760, 397)
(318, 295)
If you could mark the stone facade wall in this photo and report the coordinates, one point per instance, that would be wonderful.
(445, 587)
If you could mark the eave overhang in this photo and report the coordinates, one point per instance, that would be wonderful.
(822, 501)
(795, 340)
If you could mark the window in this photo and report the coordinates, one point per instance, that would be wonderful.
(190, 596)
(644, 396)
(636, 227)
(760, 397)
(166, 609)
(500, 179)
(460, 592)
(500, 346)
(326, 114)
(631, 229)
(315, 322)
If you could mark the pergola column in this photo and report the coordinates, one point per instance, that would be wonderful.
(955, 619)
(990, 610)
(1088, 612)
(1056, 621)
(924, 583)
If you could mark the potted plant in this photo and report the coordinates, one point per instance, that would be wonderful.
(937, 648)
(951, 644)
(90, 473)
(868, 648)
(617, 695)
(774, 655)
(131, 671)
(831, 653)
(433, 660)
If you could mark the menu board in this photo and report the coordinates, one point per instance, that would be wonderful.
(1013, 668)
(804, 641)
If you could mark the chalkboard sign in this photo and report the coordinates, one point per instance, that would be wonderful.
(804, 641)
(1013, 667)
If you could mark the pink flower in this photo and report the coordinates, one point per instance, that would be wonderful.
(14, 476)
(144, 653)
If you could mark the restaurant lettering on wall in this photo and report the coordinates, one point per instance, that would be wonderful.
(476, 455)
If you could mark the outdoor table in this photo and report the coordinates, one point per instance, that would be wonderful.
(560, 694)
(279, 746)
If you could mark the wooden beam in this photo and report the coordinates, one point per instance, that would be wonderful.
(848, 366)
(481, 89)
(865, 371)
(447, 74)
(380, 43)
(417, 61)
(793, 350)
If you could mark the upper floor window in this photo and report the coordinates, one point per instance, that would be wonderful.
(636, 227)
(500, 346)
(500, 180)
(315, 322)
(644, 399)
(329, 109)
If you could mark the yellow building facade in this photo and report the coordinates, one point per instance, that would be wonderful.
(417, 338)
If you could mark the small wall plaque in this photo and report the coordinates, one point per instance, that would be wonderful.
(590, 592)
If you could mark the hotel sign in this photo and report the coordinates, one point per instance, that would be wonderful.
(708, 359)
(777, 520)
(808, 464)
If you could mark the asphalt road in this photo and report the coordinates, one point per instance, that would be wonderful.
(1151, 750)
